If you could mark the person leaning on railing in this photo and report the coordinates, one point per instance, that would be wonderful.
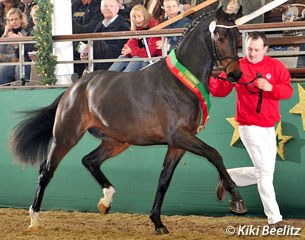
(172, 9)
(5, 6)
(112, 22)
(86, 15)
(14, 28)
(135, 47)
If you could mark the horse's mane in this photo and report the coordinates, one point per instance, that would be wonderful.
(194, 23)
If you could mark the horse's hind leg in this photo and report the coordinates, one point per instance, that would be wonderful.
(46, 172)
(188, 142)
(93, 161)
(171, 161)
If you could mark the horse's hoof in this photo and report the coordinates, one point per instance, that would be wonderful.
(238, 207)
(33, 228)
(161, 231)
(102, 208)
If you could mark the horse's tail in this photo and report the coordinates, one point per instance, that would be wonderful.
(30, 139)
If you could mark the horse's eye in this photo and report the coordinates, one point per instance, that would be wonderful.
(220, 39)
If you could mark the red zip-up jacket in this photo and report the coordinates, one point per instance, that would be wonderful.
(246, 102)
(140, 50)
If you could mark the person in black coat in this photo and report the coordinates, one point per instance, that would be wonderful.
(85, 15)
(112, 22)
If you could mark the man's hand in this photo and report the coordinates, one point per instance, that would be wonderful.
(84, 53)
(264, 85)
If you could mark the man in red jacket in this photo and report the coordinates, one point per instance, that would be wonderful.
(264, 82)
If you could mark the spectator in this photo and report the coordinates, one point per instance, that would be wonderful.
(112, 22)
(257, 112)
(135, 47)
(171, 8)
(14, 28)
(25, 6)
(85, 15)
(5, 6)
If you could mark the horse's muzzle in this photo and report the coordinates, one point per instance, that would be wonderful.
(234, 76)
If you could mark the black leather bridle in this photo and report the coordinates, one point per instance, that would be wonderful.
(215, 54)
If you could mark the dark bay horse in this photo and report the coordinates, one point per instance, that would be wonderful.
(147, 107)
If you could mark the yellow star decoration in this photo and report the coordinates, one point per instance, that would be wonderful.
(279, 134)
(282, 140)
(300, 107)
(235, 125)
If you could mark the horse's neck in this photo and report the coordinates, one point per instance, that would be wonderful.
(195, 49)
(196, 59)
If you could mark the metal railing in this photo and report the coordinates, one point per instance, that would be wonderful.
(164, 33)
(89, 38)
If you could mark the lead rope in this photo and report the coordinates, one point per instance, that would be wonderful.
(260, 96)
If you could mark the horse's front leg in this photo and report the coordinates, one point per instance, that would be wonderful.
(171, 160)
(188, 142)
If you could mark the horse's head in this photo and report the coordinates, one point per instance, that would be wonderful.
(225, 38)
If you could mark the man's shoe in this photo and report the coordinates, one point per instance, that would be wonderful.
(221, 190)
(277, 225)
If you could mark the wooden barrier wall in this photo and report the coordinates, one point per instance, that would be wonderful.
(135, 172)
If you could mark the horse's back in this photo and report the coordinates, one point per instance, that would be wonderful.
(137, 107)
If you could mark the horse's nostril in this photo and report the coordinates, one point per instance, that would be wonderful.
(230, 74)
(234, 77)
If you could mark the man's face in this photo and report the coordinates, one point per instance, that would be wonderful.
(255, 50)
(171, 8)
(110, 8)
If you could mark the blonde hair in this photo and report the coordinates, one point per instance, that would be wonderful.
(146, 15)
(24, 20)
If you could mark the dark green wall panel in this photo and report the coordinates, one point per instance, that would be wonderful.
(135, 172)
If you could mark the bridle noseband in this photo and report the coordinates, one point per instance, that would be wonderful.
(215, 54)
